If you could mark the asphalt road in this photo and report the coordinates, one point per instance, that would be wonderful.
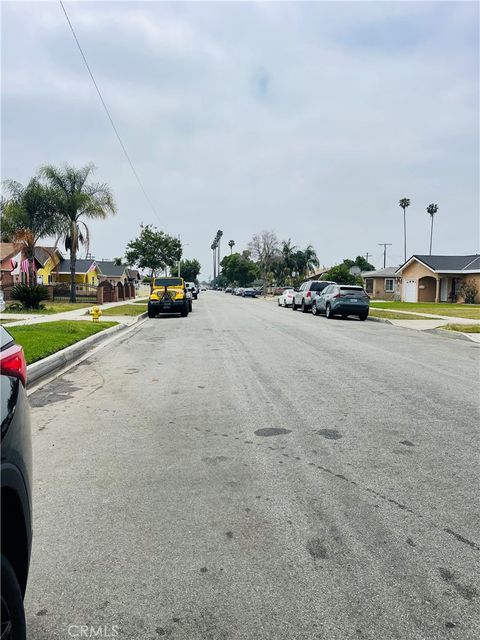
(249, 472)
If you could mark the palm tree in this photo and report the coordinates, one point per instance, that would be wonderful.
(231, 244)
(311, 259)
(288, 252)
(27, 215)
(75, 199)
(431, 210)
(404, 203)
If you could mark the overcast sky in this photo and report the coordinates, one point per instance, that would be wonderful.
(311, 119)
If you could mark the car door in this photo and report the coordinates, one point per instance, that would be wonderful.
(322, 298)
(299, 294)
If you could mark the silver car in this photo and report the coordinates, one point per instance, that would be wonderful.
(342, 300)
(303, 296)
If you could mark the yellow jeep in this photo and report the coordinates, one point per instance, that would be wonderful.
(169, 295)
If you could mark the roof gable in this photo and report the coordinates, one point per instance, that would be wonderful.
(109, 268)
(444, 264)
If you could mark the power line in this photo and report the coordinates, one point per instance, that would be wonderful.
(108, 112)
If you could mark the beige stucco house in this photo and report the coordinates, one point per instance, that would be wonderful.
(382, 284)
(438, 278)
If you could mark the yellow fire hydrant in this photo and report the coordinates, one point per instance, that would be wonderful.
(96, 313)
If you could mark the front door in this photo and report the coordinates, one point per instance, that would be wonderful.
(410, 291)
(443, 289)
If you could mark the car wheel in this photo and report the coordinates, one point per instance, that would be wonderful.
(151, 313)
(13, 614)
(184, 311)
(314, 309)
(279, 303)
(328, 312)
(344, 316)
(190, 306)
(363, 316)
(294, 306)
(304, 307)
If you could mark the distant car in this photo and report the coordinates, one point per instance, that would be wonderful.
(203, 288)
(228, 290)
(249, 292)
(342, 300)
(305, 293)
(16, 479)
(2, 302)
(285, 299)
(239, 291)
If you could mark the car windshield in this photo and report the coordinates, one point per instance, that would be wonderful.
(168, 282)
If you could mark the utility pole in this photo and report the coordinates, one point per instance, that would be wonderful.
(384, 245)
(213, 247)
(368, 254)
(219, 238)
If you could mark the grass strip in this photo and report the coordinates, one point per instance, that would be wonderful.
(42, 339)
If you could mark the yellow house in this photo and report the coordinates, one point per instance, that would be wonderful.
(438, 278)
(48, 258)
(86, 272)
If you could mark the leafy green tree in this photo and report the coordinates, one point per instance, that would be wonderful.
(153, 250)
(340, 273)
(27, 215)
(76, 199)
(360, 262)
(189, 270)
(239, 269)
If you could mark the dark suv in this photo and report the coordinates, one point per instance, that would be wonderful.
(16, 477)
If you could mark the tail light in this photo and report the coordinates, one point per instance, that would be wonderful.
(309, 294)
(13, 363)
(339, 295)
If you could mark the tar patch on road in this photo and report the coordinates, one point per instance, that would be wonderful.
(330, 434)
(271, 431)
(466, 591)
(316, 549)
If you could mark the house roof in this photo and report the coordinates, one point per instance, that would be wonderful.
(132, 273)
(445, 264)
(82, 266)
(9, 248)
(42, 254)
(388, 272)
(109, 268)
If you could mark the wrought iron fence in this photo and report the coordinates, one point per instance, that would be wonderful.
(84, 292)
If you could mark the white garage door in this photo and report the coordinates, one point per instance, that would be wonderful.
(410, 291)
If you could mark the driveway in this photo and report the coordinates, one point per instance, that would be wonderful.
(253, 473)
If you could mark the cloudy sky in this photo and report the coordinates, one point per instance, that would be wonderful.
(311, 119)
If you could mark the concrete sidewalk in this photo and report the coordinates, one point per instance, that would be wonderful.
(75, 314)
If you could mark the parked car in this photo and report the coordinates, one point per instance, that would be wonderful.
(343, 300)
(239, 291)
(249, 292)
(169, 295)
(286, 298)
(16, 479)
(228, 290)
(192, 287)
(305, 293)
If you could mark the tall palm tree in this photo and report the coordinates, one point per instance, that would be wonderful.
(27, 215)
(431, 210)
(231, 244)
(75, 199)
(404, 203)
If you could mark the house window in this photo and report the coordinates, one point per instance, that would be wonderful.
(50, 279)
(369, 285)
(389, 285)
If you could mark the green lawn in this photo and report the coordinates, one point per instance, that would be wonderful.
(464, 328)
(50, 307)
(392, 315)
(125, 310)
(443, 308)
(43, 339)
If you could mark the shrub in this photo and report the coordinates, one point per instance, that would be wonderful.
(469, 291)
(30, 295)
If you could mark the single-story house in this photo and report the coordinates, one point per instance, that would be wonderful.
(86, 272)
(48, 258)
(382, 284)
(438, 278)
(14, 264)
(133, 276)
(111, 272)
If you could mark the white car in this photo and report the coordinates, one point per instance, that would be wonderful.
(286, 298)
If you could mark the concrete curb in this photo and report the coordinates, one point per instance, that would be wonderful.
(45, 367)
(384, 320)
(456, 335)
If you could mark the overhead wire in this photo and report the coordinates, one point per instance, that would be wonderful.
(108, 113)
